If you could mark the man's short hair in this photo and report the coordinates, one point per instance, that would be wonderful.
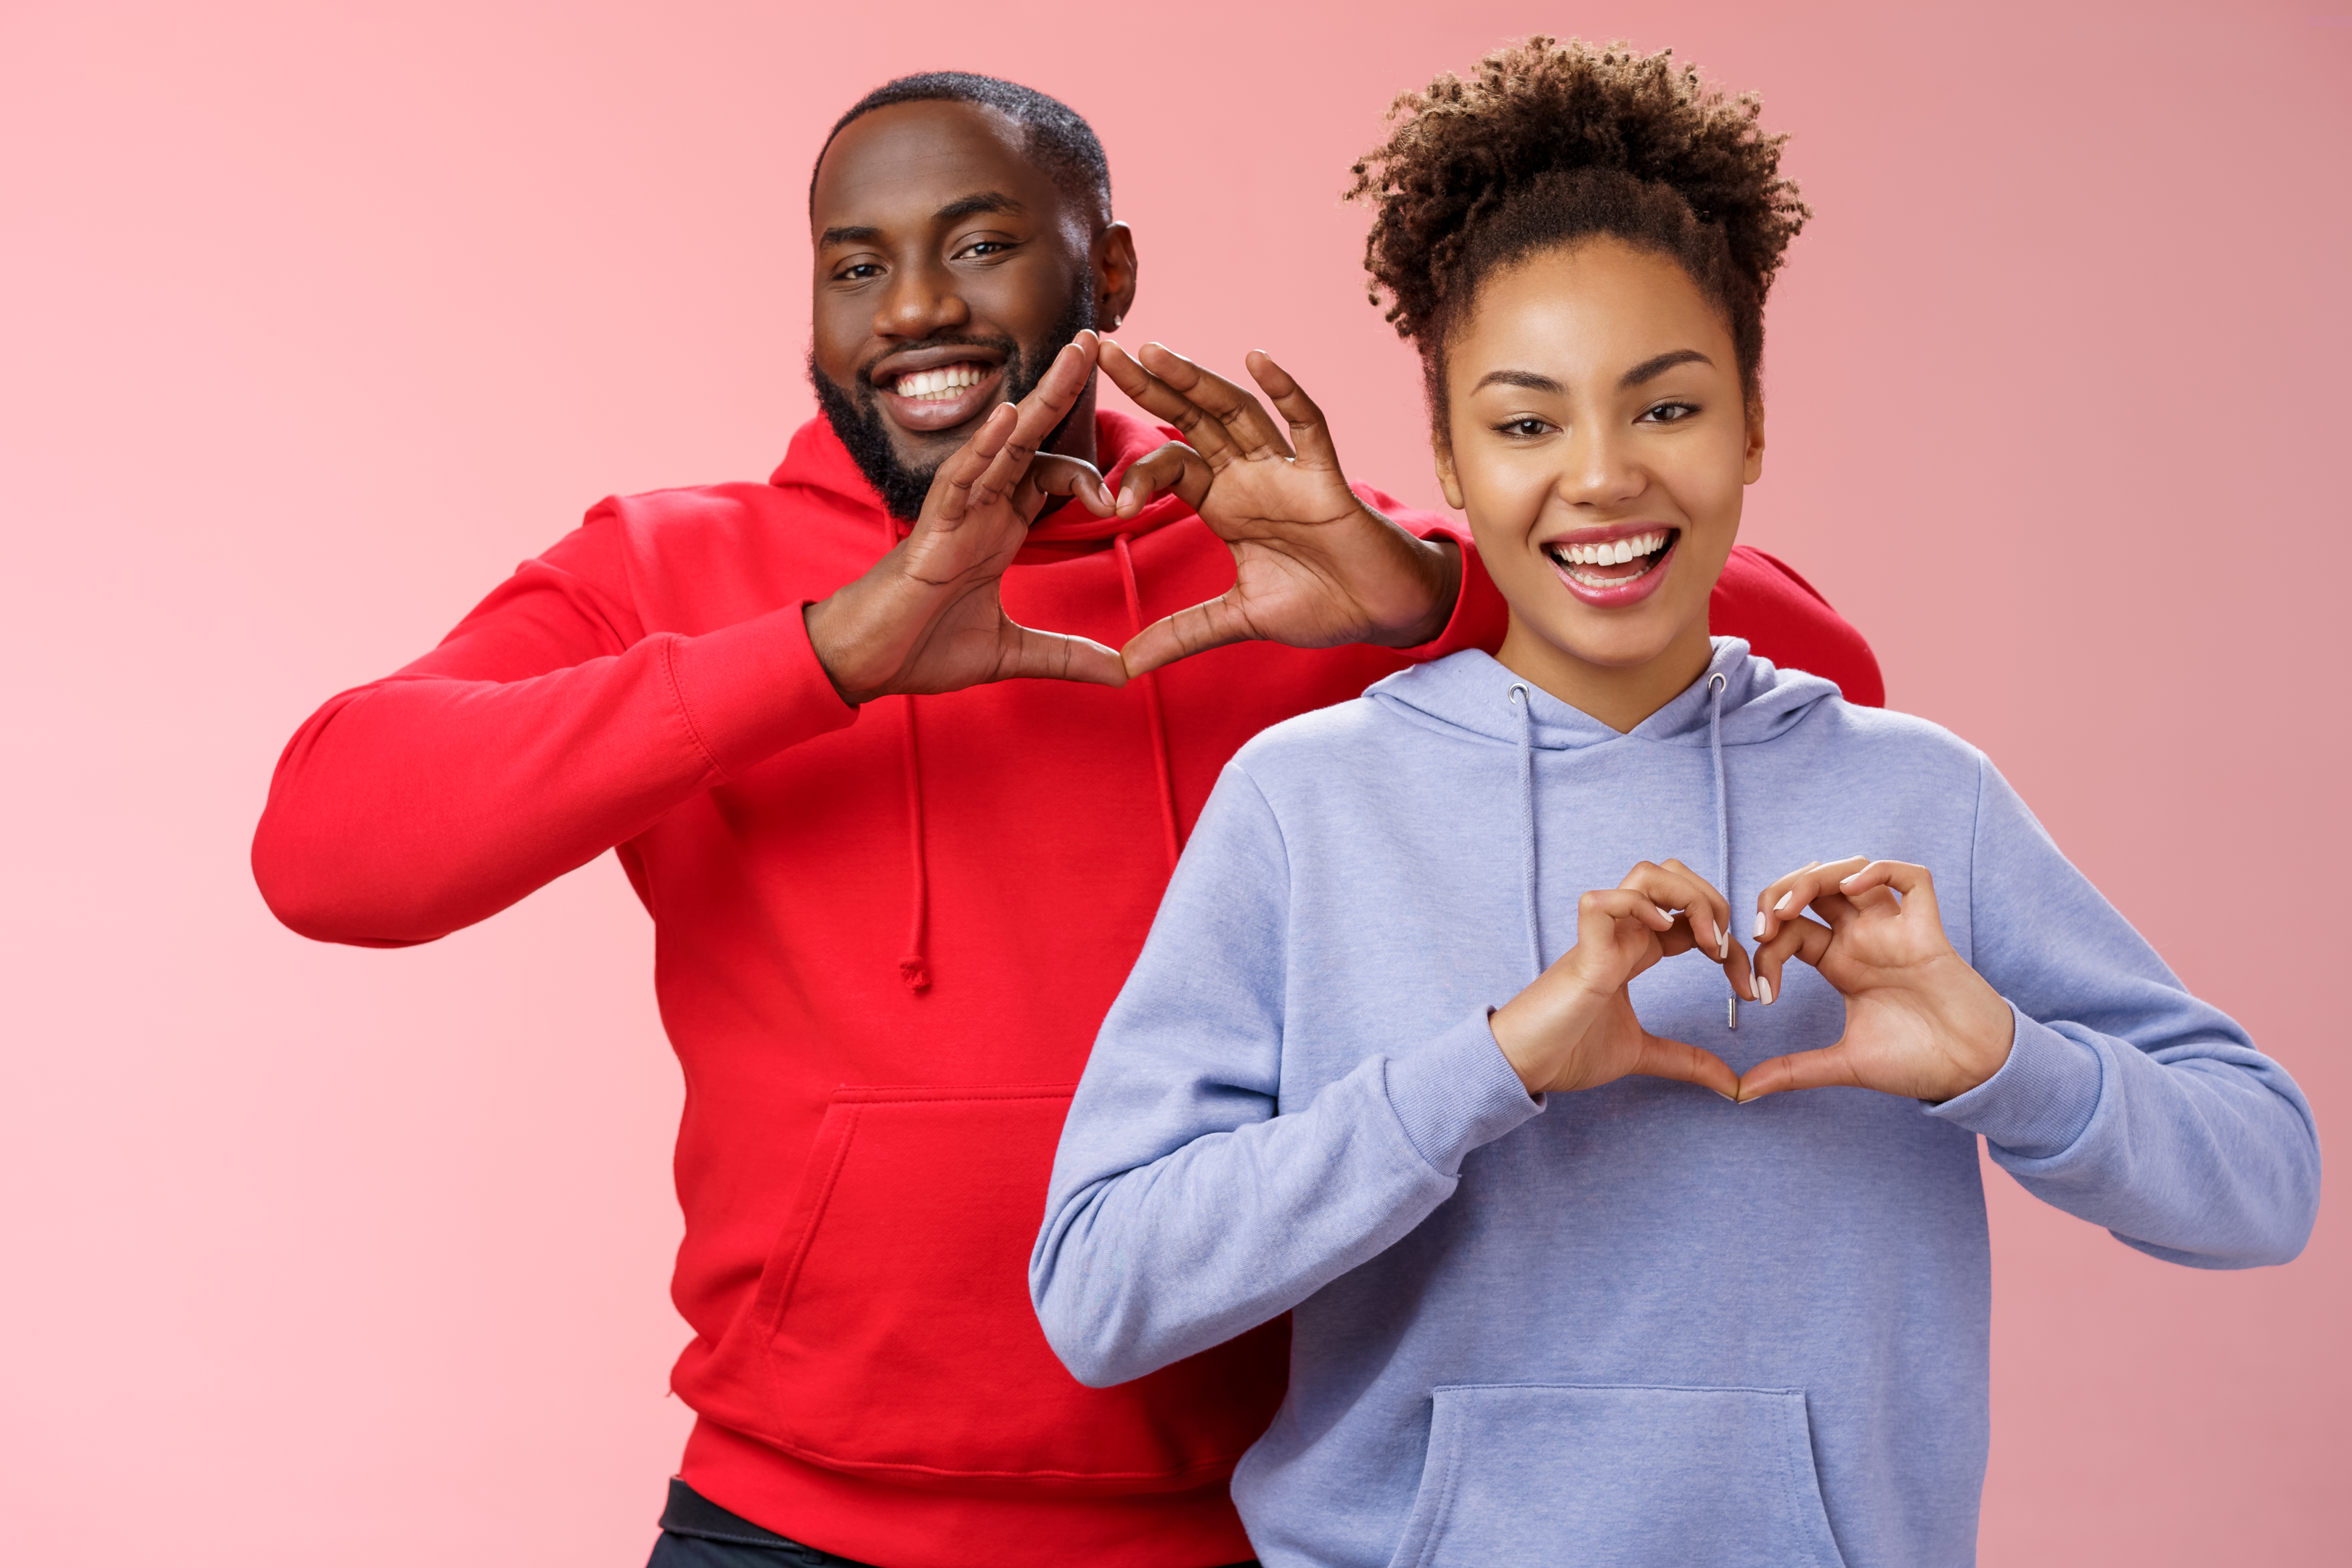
(1058, 140)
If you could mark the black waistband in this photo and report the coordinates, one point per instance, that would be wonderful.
(689, 1512)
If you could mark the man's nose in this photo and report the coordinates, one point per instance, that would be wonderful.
(920, 301)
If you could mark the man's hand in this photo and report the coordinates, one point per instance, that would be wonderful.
(1313, 566)
(1919, 1021)
(1574, 1027)
(927, 617)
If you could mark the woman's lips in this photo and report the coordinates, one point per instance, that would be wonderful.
(943, 411)
(1624, 591)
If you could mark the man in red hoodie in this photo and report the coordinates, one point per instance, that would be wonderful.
(894, 891)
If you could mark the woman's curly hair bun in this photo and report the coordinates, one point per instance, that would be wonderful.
(1551, 142)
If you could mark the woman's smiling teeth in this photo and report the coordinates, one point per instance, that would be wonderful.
(1643, 550)
(940, 386)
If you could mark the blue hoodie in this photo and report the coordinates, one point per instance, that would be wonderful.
(1638, 1325)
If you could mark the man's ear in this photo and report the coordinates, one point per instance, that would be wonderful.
(1754, 470)
(1447, 480)
(1114, 264)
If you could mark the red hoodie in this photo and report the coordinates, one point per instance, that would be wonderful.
(882, 947)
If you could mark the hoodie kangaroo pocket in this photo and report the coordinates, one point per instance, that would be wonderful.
(897, 1341)
(1618, 1478)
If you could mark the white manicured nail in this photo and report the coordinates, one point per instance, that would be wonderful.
(1722, 944)
(1762, 918)
(1786, 900)
(1763, 991)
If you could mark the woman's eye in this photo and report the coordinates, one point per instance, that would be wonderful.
(1522, 429)
(1670, 413)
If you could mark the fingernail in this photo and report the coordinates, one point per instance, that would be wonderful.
(1733, 1098)
(1763, 991)
(1762, 919)
(1786, 900)
(1722, 945)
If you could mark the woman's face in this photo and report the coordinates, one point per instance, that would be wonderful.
(1600, 442)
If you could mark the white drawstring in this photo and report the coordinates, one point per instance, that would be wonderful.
(1525, 704)
(1715, 685)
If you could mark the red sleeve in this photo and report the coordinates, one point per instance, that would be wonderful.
(1481, 614)
(546, 729)
(1786, 620)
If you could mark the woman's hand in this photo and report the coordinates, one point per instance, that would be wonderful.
(1919, 1021)
(927, 617)
(1574, 1027)
(1313, 566)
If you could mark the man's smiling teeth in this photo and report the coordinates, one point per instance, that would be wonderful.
(1608, 552)
(940, 385)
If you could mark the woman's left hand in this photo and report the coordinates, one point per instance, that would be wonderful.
(1919, 1021)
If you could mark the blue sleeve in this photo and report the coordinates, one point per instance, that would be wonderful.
(1188, 1204)
(2125, 1102)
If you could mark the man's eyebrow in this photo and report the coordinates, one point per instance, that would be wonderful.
(1658, 365)
(1526, 378)
(848, 234)
(973, 205)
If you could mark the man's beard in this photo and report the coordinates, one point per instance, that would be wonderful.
(856, 415)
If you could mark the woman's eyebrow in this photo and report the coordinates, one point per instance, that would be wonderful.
(1535, 381)
(1526, 378)
(1659, 364)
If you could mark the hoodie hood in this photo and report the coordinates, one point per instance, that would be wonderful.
(1472, 695)
(1739, 701)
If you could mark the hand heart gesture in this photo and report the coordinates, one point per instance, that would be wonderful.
(929, 616)
(1919, 1021)
(1312, 565)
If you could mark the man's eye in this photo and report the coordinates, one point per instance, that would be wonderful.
(859, 271)
(986, 248)
(1670, 413)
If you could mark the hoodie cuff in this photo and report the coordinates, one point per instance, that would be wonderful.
(2041, 1099)
(1481, 614)
(1457, 1093)
(752, 688)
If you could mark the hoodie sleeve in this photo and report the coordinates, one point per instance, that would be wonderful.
(2125, 1102)
(1481, 614)
(1188, 1204)
(545, 729)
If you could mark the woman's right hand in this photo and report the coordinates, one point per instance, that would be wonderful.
(1574, 1027)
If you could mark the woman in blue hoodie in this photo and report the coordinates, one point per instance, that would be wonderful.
(1605, 1242)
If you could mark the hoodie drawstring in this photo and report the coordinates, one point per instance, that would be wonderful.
(1527, 707)
(1715, 685)
(915, 968)
(1159, 718)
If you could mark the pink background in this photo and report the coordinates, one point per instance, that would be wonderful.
(317, 319)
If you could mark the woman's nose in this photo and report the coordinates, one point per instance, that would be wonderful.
(1600, 472)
